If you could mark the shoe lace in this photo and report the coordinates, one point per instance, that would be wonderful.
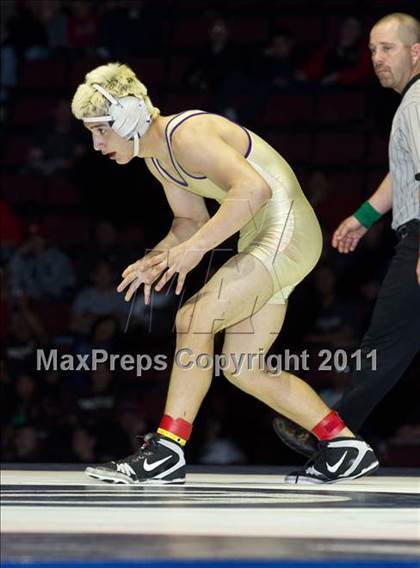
(308, 466)
(147, 444)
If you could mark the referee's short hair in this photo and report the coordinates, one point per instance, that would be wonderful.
(408, 29)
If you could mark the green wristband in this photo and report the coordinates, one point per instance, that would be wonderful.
(367, 215)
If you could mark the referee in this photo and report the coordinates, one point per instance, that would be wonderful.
(394, 331)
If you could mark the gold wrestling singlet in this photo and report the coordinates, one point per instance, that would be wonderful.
(284, 234)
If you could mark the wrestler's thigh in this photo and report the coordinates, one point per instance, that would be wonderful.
(240, 288)
(257, 333)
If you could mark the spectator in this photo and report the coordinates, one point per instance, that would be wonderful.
(82, 27)
(217, 69)
(100, 299)
(277, 64)
(11, 231)
(39, 270)
(219, 449)
(56, 145)
(105, 243)
(83, 444)
(8, 60)
(27, 33)
(26, 408)
(20, 344)
(347, 62)
(28, 445)
(335, 323)
(333, 391)
(55, 22)
(100, 395)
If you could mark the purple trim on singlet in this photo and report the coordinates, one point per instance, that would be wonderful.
(248, 151)
(161, 170)
(172, 133)
(175, 164)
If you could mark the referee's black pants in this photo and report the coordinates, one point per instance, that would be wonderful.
(394, 333)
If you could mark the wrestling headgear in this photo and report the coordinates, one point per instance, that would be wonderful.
(129, 116)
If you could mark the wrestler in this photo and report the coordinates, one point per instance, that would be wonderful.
(195, 154)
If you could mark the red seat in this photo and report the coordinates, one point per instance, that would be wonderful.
(339, 107)
(285, 108)
(374, 178)
(305, 29)
(60, 191)
(338, 148)
(178, 102)
(17, 149)
(190, 32)
(249, 30)
(177, 70)
(79, 69)
(68, 230)
(377, 152)
(31, 111)
(150, 70)
(43, 74)
(19, 189)
(294, 147)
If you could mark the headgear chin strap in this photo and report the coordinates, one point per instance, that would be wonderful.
(129, 116)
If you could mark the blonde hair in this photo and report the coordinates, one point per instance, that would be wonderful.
(116, 78)
(408, 27)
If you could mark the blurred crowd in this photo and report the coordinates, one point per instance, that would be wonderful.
(66, 233)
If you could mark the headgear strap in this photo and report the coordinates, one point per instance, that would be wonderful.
(129, 116)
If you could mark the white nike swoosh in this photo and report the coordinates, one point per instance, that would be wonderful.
(154, 465)
(333, 468)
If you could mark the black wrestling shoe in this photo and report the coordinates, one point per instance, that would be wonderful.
(337, 460)
(158, 461)
(295, 437)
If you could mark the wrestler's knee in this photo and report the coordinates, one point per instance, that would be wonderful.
(183, 319)
(244, 379)
(195, 318)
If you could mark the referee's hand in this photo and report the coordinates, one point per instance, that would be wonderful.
(418, 270)
(348, 234)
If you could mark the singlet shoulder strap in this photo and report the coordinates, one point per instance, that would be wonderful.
(171, 127)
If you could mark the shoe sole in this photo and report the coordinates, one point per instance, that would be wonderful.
(127, 481)
(291, 441)
(297, 480)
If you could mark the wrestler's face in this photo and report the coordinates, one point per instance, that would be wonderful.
(109, 143)
(392, 59)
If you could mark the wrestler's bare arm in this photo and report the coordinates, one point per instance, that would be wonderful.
(201, 149)
(190, 213)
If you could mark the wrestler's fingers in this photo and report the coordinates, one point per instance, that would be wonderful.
(131, 267)
(165, 278)
(180, 282)
(127, 280)
(133, 287)
(147, 291)
(155, 260)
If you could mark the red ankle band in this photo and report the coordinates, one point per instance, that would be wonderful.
(177, 429)
(329, 426)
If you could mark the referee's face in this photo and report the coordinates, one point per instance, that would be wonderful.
(391, 58)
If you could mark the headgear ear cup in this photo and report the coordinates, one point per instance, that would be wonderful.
(129, 116)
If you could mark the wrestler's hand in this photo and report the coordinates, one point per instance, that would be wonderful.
(180, 259)
(135, 275)
(348, 234)
(418, 270)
